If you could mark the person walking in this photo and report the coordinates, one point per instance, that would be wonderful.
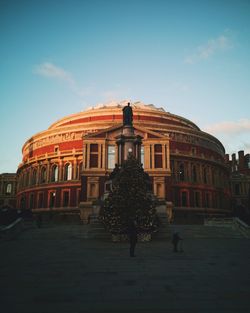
(175, 241)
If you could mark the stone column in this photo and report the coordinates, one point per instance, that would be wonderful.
(147, 156)
(103, 152)
(153, 156)
(164, 163)
(75, 168)
(48, 171)
(99, 156)
(87, 156)
(168, 156)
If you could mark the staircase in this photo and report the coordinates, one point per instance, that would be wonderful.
(53, 230)
(96, 229)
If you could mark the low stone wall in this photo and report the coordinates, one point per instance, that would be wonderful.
(12, 230)
(242, 227)
(219, 222)
(232, 222)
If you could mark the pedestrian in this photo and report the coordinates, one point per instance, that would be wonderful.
(175, 241)
(132, 234)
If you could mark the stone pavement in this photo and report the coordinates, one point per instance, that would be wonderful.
(54, 269)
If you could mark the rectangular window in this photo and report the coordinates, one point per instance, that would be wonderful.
(78, 196)
(94, 148)
(66, 198)
(111, 157)
(197, 199)
(207, 200)
(52, 199)
(184, 198)
(93, 155)
(158, 156)
(31, 201)
(40, 200)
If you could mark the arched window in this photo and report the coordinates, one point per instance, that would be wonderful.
(212, 176)
(33, 178)
(27, 179)
(31, 201)
(181, 172)
(68, 171)
(205, 175)
(43, 175)
(23, 203)
(54, 173)
(8, 189)
(20, 180)
(194, 174)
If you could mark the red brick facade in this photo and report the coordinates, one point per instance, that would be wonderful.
(50, 175)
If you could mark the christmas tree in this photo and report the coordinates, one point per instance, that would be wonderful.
(130, 200)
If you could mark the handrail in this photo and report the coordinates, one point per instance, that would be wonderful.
(233, 222)
(12, 230)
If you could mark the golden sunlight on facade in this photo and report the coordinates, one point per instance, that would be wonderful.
(70, 162)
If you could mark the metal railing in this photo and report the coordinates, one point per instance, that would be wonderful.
(232, 222)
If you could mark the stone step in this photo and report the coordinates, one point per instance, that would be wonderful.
(201, 231)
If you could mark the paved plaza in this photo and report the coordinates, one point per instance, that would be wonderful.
(56, 269)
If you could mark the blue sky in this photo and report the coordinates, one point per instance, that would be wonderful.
(60, 57)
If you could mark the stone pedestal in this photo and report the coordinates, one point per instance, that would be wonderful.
(128, 143)
(86, 209)
(164, 229)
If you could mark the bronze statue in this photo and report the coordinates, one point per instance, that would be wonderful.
(127, 115)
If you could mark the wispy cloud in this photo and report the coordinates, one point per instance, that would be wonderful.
(230, 127)
(50, 70)
(235, 135)
(53, 71)
(211, 47)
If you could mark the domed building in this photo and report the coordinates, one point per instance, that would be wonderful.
(70, 162)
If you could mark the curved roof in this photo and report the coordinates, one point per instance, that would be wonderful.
(102, 116)
(112, 111)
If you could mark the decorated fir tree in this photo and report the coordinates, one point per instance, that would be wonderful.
(129, 200)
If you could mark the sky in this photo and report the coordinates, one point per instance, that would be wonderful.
(59, 57)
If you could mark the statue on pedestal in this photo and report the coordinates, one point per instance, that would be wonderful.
(127, 115)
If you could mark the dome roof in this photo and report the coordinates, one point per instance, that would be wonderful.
(121, 104)
(68, 131)
(112, 112)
